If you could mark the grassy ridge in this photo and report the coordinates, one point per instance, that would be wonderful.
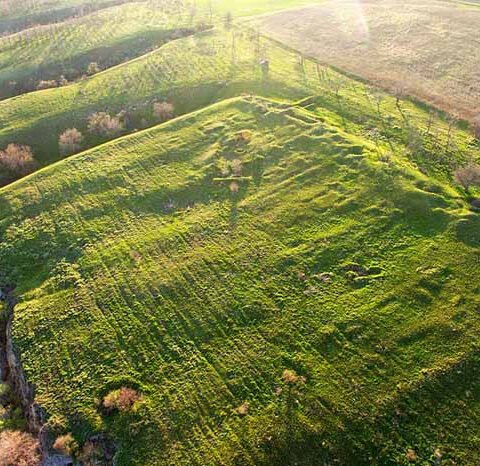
(107, 37)
(17, 16)
(196, 71)
(353, 270)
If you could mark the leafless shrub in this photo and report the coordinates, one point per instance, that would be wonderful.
(290, 377)
(19, 449)
(123, 399)
(66, 445)
(411, 456)
(468, 176)
(234, 187)
(91, 454)
(93, 68)
(17, 159)
(70, 141)
(103, 124)
(163, 110)
(243, 409)
(47, 84)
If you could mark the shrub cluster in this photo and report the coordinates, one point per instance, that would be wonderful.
(163, 110)
(103, 124)
(123, 399)
(17, 159)
(70, 141)
(19, 449)
(468, 176)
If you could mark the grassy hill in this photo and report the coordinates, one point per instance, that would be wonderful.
(290, 218)
(16, 16)
(139, 263)
(241, 8)
(107, 37)
(196, 71)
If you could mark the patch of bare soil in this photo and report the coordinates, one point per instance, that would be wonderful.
(430, 50)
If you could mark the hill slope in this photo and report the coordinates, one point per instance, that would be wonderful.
(196, 71)
(428, 50)
(107, 37)
(141, 262)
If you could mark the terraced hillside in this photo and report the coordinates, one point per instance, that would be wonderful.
(198, 260)
(107, 37)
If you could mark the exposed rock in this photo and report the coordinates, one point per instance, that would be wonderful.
(12, 372)
(57, 460)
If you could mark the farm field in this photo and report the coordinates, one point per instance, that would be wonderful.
(428, 50)
(246, 256)
(107, 38)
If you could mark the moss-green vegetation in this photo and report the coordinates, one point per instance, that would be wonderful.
(107, 37)
(16, 16)
(283, 274)
(138, 266)
(195, 71)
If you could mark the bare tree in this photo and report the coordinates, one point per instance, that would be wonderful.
(163, 110)
(70, 141)
(431, 119)
(103, 124)
(400, 93)
(93, 68)
(378, 97)
(17, 159)
(19, 448)
(452, 122)
(468, 176)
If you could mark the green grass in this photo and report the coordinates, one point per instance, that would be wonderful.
(239, 8)
(197, 71)
(16, 16)
(348, 255)
(135, 263)
(108, 37)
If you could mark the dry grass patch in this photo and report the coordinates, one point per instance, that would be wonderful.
(430, 50)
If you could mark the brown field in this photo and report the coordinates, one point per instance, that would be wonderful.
(429, 51)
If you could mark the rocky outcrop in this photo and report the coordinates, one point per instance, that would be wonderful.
(12, 373)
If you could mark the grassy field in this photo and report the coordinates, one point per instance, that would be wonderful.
(241, 8)
(19, 15)
(289, 218)
(426, 50)
(194, 72)
(136, 263)
(107, 37)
